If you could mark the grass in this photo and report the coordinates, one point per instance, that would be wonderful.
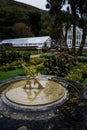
(11, 74)
(35, 52)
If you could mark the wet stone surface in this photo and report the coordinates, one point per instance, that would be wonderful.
(85, 95)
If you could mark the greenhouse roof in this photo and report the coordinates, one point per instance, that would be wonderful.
(26, 40)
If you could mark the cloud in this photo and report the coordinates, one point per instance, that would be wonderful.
(36, 3)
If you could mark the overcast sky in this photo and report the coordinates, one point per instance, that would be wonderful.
(37, 3)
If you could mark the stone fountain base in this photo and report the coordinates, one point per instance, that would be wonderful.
(71, 113)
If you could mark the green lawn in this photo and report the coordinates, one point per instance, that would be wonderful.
(35, 52)
(11, 74)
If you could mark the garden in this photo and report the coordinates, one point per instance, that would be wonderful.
(60, 64)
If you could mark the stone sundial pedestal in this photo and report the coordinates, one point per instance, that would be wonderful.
(34, 91)
(20, 95)
(31, 100)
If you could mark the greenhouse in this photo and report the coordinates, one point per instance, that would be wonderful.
(29, 42)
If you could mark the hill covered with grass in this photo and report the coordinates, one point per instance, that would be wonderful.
(19, 19)
(23, 6)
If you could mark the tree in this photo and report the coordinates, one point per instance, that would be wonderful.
(35, 22)
(8, 17)
(12, 12)
(82, 8)
(21, 30)
(46, 23)
(78, 11)
(73, 5)
(58, 23)
(12, 15)
(44, 32)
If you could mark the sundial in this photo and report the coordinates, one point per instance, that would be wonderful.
(34, 91)
(28, 84)
(32, 94)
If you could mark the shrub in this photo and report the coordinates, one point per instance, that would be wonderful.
(26, 57)
(32, 68)
(3, 58)
(78, 73)
(75, 75)
(40, 68)
(11, 66)
(36, 65)
(36, 61)
(36, 69)
(45, 49)
(13, 56)
(82, 59)
(59, 64)
(46, 55)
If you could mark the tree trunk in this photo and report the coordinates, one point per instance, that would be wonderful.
(74, 39)
(66, 46)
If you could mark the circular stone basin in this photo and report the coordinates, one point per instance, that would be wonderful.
(20, 101)
(18, 94)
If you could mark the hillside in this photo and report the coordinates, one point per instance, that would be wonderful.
(21, 20)
(12, 3)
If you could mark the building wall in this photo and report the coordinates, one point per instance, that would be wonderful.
(78, 37)
(28, 44)
(48, 41)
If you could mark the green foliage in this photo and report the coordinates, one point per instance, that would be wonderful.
(59, 64)
(12, 12)
(82, 59)
(37, 69)
(36, 61)
(58, 19)
(40, 68)
(75, 75)
(35, 22)
(26, 57)
(11, 66)
(46, 25)
(71, 103)
(9, 57)
(85, 82)
(44, 32)
(33, 69)
(45, 48)
(21, 30)
(35, 52)
(46, 55)
(36, 65)
(78, 73)
(12, 60)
